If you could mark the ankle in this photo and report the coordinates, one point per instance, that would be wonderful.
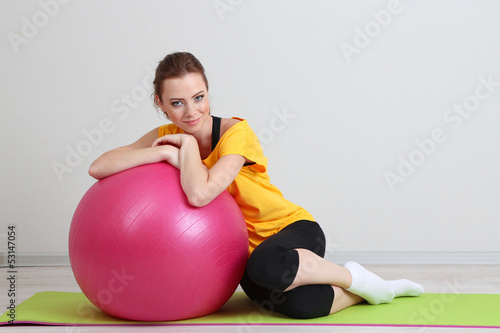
(347, 278)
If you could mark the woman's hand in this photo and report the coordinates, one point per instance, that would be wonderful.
(200, 184)
(171, 145)
(171, 155)
(138, 153)
(175, 140)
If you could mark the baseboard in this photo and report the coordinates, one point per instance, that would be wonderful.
(416, 257)
(339, 257)
(37, 259)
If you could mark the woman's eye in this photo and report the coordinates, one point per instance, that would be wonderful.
(199, 98)
(177, 103)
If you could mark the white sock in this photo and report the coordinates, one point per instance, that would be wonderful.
(368, 285)
(406, 287)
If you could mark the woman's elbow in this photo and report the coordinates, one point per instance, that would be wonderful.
(96, 171)
(198, 199)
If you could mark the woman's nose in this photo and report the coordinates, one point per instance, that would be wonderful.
(190, 109)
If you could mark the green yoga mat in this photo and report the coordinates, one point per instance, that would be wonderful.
(443, 310)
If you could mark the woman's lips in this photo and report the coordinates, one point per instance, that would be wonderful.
(192, 122)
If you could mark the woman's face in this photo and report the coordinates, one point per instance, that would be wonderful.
(185, 101)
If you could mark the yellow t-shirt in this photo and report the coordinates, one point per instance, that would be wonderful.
(264, 208)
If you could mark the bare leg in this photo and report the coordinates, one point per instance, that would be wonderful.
(353, 278)
(316, 270)
(344, 299)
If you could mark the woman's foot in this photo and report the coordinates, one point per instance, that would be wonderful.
(368, 285)
(406, 287)
(376, 290)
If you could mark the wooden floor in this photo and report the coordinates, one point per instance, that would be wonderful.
(439, 279)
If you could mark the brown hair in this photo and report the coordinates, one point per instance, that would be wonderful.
(175, 65)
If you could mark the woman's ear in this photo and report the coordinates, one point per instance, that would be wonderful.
(159, 102)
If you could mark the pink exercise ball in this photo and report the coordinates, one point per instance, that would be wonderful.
(140, 251)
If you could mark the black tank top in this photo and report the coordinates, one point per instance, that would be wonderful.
(215, 131)
(216, 121)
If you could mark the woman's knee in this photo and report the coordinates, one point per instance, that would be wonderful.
(273, 268)
(307, 302)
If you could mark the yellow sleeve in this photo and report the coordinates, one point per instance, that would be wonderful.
(240, 139)
(168, 129)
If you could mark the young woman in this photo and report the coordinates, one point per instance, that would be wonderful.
(286, 271)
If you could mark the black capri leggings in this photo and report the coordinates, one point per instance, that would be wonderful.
(273, 265)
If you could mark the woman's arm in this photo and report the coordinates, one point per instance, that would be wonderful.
(200, 184)
(138, 153)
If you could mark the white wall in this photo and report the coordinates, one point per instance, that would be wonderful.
(356, 103)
